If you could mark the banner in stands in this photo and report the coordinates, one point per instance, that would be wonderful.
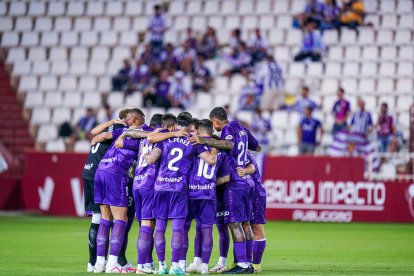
(298, 188)
(333, 190)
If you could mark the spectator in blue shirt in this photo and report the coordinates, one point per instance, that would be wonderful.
(313, 12)
(361, 121)
(120, 81)
(312, 45)
(303, 101)
(307, 132)
(330, 16)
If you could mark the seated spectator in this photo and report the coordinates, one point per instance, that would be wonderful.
(352, 13)
(201, 75)
(307, 132)
(120, 81)
(239, 61)
(303, 101)
(386, 129)
(269, 74)
(258, 46)
(147, 57)
(250, 96)
(179, 94)
(82, 129)
(169, 60)
(330, 16)
(361, 121)
(260, 128)
(340, 111)
(313, 12)
(191, 40)
(140, 78)
(312, 45)
(235, 38)
(158, 94)
(186, 58)
(209, 43)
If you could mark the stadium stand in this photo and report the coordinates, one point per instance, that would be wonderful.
(62, 54)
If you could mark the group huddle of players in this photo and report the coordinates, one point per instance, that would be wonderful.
(174, 170)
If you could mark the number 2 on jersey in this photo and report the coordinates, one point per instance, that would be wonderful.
(241, 158)
(179, 153)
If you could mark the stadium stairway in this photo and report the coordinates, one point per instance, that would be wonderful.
(14, 129)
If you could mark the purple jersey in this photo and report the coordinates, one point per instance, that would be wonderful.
(175, 162)
(202, 179)
(119, 160)
(243, 140)
(145, 175)
(257, 178)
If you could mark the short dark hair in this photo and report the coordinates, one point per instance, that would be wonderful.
(195, 122)
(156, 120)
(157, 7)
(185, 113)
(206, 125)
(218, 113)
(305, 87)
(183, 120)
(137, 111)
(341, 89)
(168, 120)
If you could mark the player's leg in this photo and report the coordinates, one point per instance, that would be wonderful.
(177, 225)
(224, 244)
(195, 266)
(249, 241)
(93, 233)
(117, 238)
(102, 238)
(159, 240)
(184, 248)
(144, 246)
(259, 245)
(207, 245)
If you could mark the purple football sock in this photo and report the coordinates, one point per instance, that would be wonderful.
(122, 260)
(102, 238)
(151, 249)
(159, 238)
(249, 250)
(117, 237)
(207, 242)
(177, 226)
(184, 248)
(143, 244)
(240, 251)
(198, 242)
(224, 242)
(258, 249)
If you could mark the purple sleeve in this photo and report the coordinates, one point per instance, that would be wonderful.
(201, 149)
(318, 124)
(369, 119)
(130, 143)
(117, 132)
(253, 143)
(223, 169)
(226, 134)
(159, 145)
(268, 125)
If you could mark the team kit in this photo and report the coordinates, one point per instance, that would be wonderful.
(175, 171)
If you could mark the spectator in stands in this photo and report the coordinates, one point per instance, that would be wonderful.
(239, 61)
(147, 57)
(235, 39)
(179, 94)
(386, 128)
(303, 102)
(258, 46)
(250, 96)
(157, 26)
(260, 128)
(141, 78)
(361, 121)
(108, 113)
(191, 40)
(186, 58)
(157, 94)
(341, 111)
(352, 13)
(269, 74)
(330, 19)
(312, 45)
(82, 129)
(120, 81)
(169, 60)
(209, 43)
(313, 12)
(201, 75)
(307, 132)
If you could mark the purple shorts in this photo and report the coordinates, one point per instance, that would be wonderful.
(222, 213)
(144, 199)
(238, 205)
(169, 205)
(111, 189)
(252, 196)
(259, 210)
(203, 211)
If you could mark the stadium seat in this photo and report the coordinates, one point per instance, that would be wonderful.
(61, 115)
(330, 37)
(43, 24)
(53, 99)
(17, 8)
(405, 69)
(22, 68)
(387, 69)
(46, 132)
(232, 22)
(69, 38)
(236, 84)
(27, 83)
(82, 24)
(329, 86)
(23, 24)
(266, 22)
(366, 86)
(405, 85)
(333, 69)
(78, 68)
(75, 8)
(79, 54)
(3, 8)
(204, 100)
(29, 39)
(404, 6)
(199, 23)
(40, 67)
(385, 37)
(314, 69)
(6, 24)
(246, 7)
(67, 83)
(406, 21)
(404, 120)
(294, 37)
(275, 37)
(290, 138)
(33, 99)
(369, 69)
(72, 99)
(389, 21)
(351, 69)
(284, 22)
(56, 8)
(403, 37)
(216, 22)
(94, 8)
(389, 99)
(181, 23)
(349, 84)
(281, 7)
(370, 102)
(102, 24)
(57, 145)
(370, 53)
(116, 100)
(366, 36)
(348, 37)
(279, 119)
(16, 54)
(388, 53)
(134, 8)
(373, 19)
(89, 38)
(63, 24)
(297, 69)
(194, 7)
(404, 103)
(387, 6)
(40, 115)
(353, 53)
(385, 86)
(406, 53)
(114, 8)
(9, 39)
(263, 7)
(134, 100)
(108, 38)
(122, 24)
(297, 6)
(228, 7)
(87, 83)
(91, 99)
(77, 114)
(37, 53)
(211, 7)
(371, 6)
(82, 146)
(48, 83)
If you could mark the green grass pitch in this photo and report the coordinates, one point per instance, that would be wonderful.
(35, 245)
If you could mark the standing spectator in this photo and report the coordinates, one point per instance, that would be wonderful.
(304, 101)
(312, 45)
(201, 75)
(120, 81)
(330, 19)
(386, 128)
(209, 43)
(258, 46)
(158, 94)
(313, 12)
(260, 128)
(352, 13)
(157, 27)
(307, 132)
(341, 111)
(361, 121)
(269, 75)
(179, 94)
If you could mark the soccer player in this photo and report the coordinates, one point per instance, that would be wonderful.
(88, 174)
(201, 199)
(111, 191)
(236, 139)
(175, 157)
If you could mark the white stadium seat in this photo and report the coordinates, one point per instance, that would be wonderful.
(91, 99)
(369, 69)
(78, 68)
(69, 39)
(37, 53)
(108, 38)
(405, 69)
(366, 86)
(351, 69)
(63, 24)
(211, 7)
(75, 8)
(48, 83)
(385, 37)
(266, 22)
(385, 86)
(335, 53)
(56, 8)
(366, 36)
(348, 37)
(23, 24)
(60, 115)
(114, 8)
(246, 7)
(353, 53)
(68, 83)
(177, 7)
(29, 39)
(194, 7)
(59, 67)
(387, 6)
(406, 21)
(263, 7)
(405, 85)
(404, 103)
(82, 146)
(40, 115)
(9, 39)
(57, 145)
(333, 69)
(79, 53)
(6, 24)
(387, 69)
(40, 67)
(406, 53)
(33, 99)
(46, 132)
(82, 24)
(43, 24)
(72, 99)
(128, 38)
(389, 21)
(228, 7)
(53, 99)
(389, 53)
(370, 53)
(16, 54)
(17, 8)
(403, 37)
(87, 83)
(133, 8)
(27, 83)
(36, 8)
(22, 68)
(88, 38)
